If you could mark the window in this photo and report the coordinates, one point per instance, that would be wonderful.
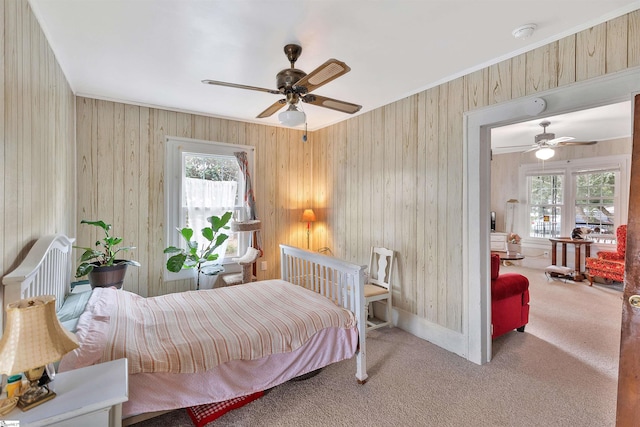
(595, 200)
(564, 195)
(203, 179)
(545, 205)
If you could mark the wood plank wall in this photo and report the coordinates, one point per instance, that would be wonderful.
(121, 159)
(393, 176)
(390, 177)
(37, 154)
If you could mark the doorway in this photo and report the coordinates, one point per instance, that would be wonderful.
(594, 143)
(604, 90)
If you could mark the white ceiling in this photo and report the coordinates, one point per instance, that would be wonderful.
(155, 53)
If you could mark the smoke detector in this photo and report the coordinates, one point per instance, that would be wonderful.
(524, 31)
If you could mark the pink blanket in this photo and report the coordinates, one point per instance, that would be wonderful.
(195, 331)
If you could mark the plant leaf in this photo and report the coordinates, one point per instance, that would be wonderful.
(212, 257)
(90, 254)
(175, 263)
(187, 233)
(221, 238)
(101, 224)
(207, 233)
(84, 269)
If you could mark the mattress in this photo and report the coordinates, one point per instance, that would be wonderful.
(206, 346)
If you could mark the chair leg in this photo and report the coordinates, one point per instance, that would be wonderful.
(520, 329)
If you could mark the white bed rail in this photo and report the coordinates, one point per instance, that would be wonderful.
(46, 270)
(340, 281)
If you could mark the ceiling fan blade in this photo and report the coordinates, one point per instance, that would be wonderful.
(532, 148)
(330, 70)
(577, 143)
(556, 141)
(334, 104)
(272, 109)
(237, 86)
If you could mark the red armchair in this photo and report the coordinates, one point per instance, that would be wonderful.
(609, 264)
(509, 300)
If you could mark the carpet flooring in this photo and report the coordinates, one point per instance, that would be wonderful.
(562, 371)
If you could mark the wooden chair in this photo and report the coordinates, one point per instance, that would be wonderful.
(378, 287)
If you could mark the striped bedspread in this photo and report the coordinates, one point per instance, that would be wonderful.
(194, 331)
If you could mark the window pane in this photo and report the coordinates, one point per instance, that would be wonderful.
(211, 186)
(545, 202)
(545, 221)
(594, 204)
(546, 189)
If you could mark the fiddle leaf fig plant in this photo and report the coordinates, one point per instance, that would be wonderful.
(104, 253)
(196, 257)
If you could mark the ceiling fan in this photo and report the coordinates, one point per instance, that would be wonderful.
(295, 85)
(545, 142)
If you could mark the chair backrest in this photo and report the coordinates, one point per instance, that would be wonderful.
(621, 239)
(495, 266)
(381, 267)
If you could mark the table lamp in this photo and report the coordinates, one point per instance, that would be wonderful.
(32, 339)
(308, 216)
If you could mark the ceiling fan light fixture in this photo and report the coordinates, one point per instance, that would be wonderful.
(292, 116)
(545, 153)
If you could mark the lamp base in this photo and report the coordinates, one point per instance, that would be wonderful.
(35, 394)
(39, 396)
(43, 395)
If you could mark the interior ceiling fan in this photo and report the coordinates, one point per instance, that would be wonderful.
(296, 85)
(545, 142)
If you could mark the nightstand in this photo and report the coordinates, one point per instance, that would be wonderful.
(90, 396)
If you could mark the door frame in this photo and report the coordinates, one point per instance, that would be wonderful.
(608, 89)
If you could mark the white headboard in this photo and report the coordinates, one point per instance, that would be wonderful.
(46, 270)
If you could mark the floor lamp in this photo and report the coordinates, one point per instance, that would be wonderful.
(308, 216)
(510, 217)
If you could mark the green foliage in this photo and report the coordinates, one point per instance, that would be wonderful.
(211, 168)
(193, 256)
(105, 254)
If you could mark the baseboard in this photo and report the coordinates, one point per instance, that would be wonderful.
(452, 341)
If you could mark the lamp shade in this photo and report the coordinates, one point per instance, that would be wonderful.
(545, 153)
(33, 336)
(292, 116)
(308, 216)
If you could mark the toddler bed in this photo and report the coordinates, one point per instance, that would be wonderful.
(206, 346)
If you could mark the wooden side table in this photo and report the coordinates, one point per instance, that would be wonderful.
(90, 396)
(577, 275)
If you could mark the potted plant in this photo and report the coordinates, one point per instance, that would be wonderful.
(101, 265)
(202, 259)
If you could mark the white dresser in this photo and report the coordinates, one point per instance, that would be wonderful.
(90, 396)
(498, 241)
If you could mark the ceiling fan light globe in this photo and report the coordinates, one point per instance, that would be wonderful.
(292, 117)
(545, 153)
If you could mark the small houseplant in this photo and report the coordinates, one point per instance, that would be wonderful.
(202, 259)
(100, 263)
